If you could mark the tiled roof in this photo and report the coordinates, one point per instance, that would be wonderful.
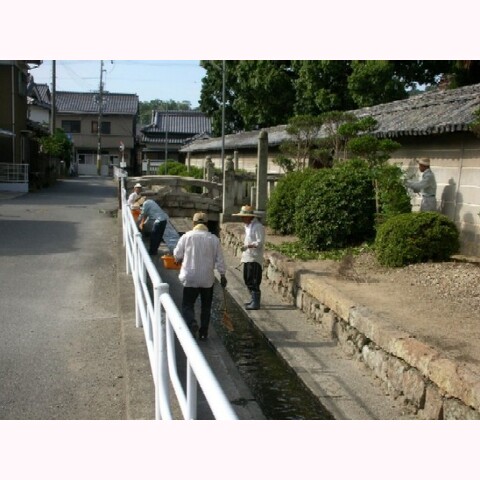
(423, 114)
(238, 140)
(43, 92)
(184, 121)
(113, 103)
(427, 113)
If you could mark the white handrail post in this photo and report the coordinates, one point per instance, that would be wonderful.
(162, 390)
(192, 386)
(139, 274)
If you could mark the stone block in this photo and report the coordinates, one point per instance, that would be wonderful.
(413, 387)
(433, 407)
(453, 409)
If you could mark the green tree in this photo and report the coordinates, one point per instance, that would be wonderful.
(265, 93)
(304, 143)
(57, 145)
(211, 95)
(364, 145)
(321, 86)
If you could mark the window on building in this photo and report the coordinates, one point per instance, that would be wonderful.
(71, 126)
(106, 127)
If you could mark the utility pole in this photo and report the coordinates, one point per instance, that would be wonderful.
(224, 183)
(166, 140)
(54, 94)
(99, 127)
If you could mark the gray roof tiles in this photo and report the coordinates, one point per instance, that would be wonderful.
(423, 114)
(426, 113)
(113, 103)
(180, 122)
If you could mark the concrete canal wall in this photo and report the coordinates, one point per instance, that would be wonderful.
(436, 385)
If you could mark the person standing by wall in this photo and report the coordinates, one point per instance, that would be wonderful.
(252, 254)
(200, 253)
(427, 186)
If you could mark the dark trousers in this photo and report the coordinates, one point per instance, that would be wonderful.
(156, 236)
(252, 276)
(190, 295)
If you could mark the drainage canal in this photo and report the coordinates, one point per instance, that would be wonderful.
(279, 392)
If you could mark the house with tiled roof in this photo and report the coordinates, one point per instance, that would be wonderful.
(39, 102)
(169, 131)
(432, 124)
(78, 113)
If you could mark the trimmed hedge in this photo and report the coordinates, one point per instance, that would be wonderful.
(335, 207)
(281, 205)
(416, 237)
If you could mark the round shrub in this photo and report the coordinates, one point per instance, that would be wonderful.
(335, 207)
(281, 205)
(393, 195)
(416, 237)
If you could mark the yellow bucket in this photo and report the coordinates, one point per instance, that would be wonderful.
(169, 262)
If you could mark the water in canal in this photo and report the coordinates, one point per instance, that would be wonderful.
(279, 392)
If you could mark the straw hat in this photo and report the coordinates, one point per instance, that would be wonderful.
(200, 217)
(424, 161)
(137, 185)
(140, 201)
(246, 211)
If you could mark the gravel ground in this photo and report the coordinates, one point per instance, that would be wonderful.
(457, 281)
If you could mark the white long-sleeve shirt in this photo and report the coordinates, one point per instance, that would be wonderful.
(255, 238)
(201, 253)
(133, 197)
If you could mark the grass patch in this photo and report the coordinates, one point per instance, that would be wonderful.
(297, 251)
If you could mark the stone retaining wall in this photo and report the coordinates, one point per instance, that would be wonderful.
(438, 387)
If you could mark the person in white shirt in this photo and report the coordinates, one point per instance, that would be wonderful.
(427, 186)
(200, 253)
(135, 195)
(252, 256)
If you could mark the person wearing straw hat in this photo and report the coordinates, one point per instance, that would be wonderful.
(427, 186)
(252, 254)
(200, 253)
(135, 195)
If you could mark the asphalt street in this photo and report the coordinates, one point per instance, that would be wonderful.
(61, 340)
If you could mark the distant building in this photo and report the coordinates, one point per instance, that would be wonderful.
(15, 144)
(39, 102)
(169, 131)
(78, 115)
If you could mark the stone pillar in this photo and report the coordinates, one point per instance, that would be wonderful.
(229, 200)
(188, 162)
(235, 160)
(208, 169)
(262, 168)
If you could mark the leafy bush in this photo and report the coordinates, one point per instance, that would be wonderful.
(177, 168)
(281, 205)
(335, 207)
(393, 196)
(416, 237)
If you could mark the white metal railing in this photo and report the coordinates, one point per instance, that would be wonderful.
(14, 177)
(162, 322)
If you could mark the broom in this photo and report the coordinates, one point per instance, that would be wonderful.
(226, 320)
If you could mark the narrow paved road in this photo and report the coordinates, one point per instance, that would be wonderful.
(61, 351)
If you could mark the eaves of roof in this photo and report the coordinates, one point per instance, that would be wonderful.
(88, 103)
(428, 113)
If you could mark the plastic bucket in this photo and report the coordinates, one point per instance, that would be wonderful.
(135, 213)
(169, 262)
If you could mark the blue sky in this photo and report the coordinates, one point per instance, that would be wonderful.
(150, 79)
